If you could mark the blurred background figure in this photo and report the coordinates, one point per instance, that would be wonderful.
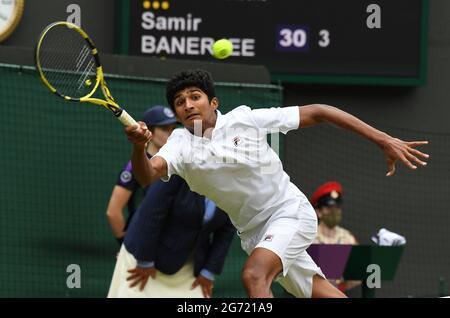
(127, 193)
(327, 201)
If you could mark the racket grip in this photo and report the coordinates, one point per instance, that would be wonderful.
(126, 119)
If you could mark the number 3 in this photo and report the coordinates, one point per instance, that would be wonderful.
(286, 41)
(325, 38)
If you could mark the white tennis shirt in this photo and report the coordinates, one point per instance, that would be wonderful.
(236, 168)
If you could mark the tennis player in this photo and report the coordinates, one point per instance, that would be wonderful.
(227, 158)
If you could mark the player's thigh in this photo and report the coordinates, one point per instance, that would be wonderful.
(289, 239)
(299, 279)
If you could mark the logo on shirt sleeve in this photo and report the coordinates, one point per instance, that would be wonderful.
(268, 238)
(125, 176)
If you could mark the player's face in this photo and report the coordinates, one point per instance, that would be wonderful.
(161, 133)
(192, 104)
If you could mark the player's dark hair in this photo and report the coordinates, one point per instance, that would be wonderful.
(189, 78)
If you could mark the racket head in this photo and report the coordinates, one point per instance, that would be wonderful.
(67, 61)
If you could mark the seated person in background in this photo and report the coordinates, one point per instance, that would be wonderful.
(327, 201)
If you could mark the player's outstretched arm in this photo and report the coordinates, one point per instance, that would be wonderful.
(146, 171)
(394, 149)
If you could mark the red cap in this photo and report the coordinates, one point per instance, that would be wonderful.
(325, 189)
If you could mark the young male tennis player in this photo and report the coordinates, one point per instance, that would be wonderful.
(227, 158)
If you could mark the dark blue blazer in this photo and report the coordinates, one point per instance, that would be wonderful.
(168, 227)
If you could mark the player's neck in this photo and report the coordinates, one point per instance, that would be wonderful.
(204, 127)
(209, 124)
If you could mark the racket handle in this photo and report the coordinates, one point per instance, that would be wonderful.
(126, 119)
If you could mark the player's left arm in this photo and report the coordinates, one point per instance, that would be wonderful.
(393, 148)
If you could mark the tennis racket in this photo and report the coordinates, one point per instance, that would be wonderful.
(69, 66)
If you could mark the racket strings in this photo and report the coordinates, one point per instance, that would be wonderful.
(67, 62)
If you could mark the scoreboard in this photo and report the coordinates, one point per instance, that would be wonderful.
(314, 41)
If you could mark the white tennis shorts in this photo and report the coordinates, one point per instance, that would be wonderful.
(177, 285)
(289, 238)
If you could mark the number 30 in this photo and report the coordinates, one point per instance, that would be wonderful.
(296, 38)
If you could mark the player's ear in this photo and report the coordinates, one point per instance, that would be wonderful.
(215, 103)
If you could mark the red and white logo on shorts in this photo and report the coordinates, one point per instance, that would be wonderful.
(268, 238)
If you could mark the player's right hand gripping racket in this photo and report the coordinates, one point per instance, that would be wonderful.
(69, 65)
